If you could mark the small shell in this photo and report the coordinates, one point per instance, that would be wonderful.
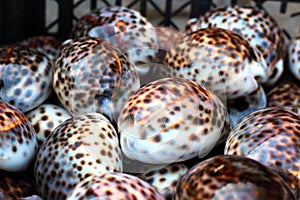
(165, 179)
(112, 186)
(18, 140)
(125, 28)
(79, 147)
(170, 120)
(294, 57)
(91, 75)
(255, 25)
(25, 77)
(232, 177)
(45, 118)
(272, 137)
(45, 44)
(285, 95)
(220, 59)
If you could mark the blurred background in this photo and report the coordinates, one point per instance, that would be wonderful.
(20, 19)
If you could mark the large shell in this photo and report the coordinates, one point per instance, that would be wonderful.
(111, 186)
(18, 140)
(255, 25)
(25, 77)
(125, 28)
(93, 76)
(232, 177)
(169, 120)
(220, 59)
(272, 137)
(79, 147)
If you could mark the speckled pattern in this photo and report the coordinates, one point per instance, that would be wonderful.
(165, 179)
(294, 56)
(122, 27)
(253, 24)
(111, 186)
(220, 59)
(18, 140)
(232, 177)
(169, 120)
(79, 147)
(48, 45)
(272, 137)
(91, 75)
(286, 94)
(15, 186)
(45, 118)
(25, 77)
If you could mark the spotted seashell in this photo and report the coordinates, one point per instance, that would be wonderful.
(25, 77)
(171, 120)
(18, 140)
(232, 177)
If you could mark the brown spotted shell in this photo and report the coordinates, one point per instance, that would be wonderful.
(45, 118)
(232, 177)
(18, 140)
(165, 179)
(48, 45)
(255, 25)
(272, 137)
(79, 147)
(169, 120)
(25, 77)
(123, 27)
(220, 59)
(286, 94)
(91, 75)
(294, 56)
(15, 186)
(111, 186)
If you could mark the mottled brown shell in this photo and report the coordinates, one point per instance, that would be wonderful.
(232, 177)
(220, 59)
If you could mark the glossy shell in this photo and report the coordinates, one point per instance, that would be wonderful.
(25, 77)
(286, 94)
(170, 120)
(111, 186)
(92, 76)
(232, 177)
(253, 24)
(125, 28)
(165, 179)
(220, 59)
(48, 45)
(79, 147)
(272, 137)
(18, 140)
(45, 118)
(294, 56)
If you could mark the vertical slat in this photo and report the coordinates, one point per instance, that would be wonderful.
(168, 12)
(93, 4)
(35, 15)
(234, 2)
(118, 3)
(65, 18)
(199, 7)
(283, 6)
(143, 7)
